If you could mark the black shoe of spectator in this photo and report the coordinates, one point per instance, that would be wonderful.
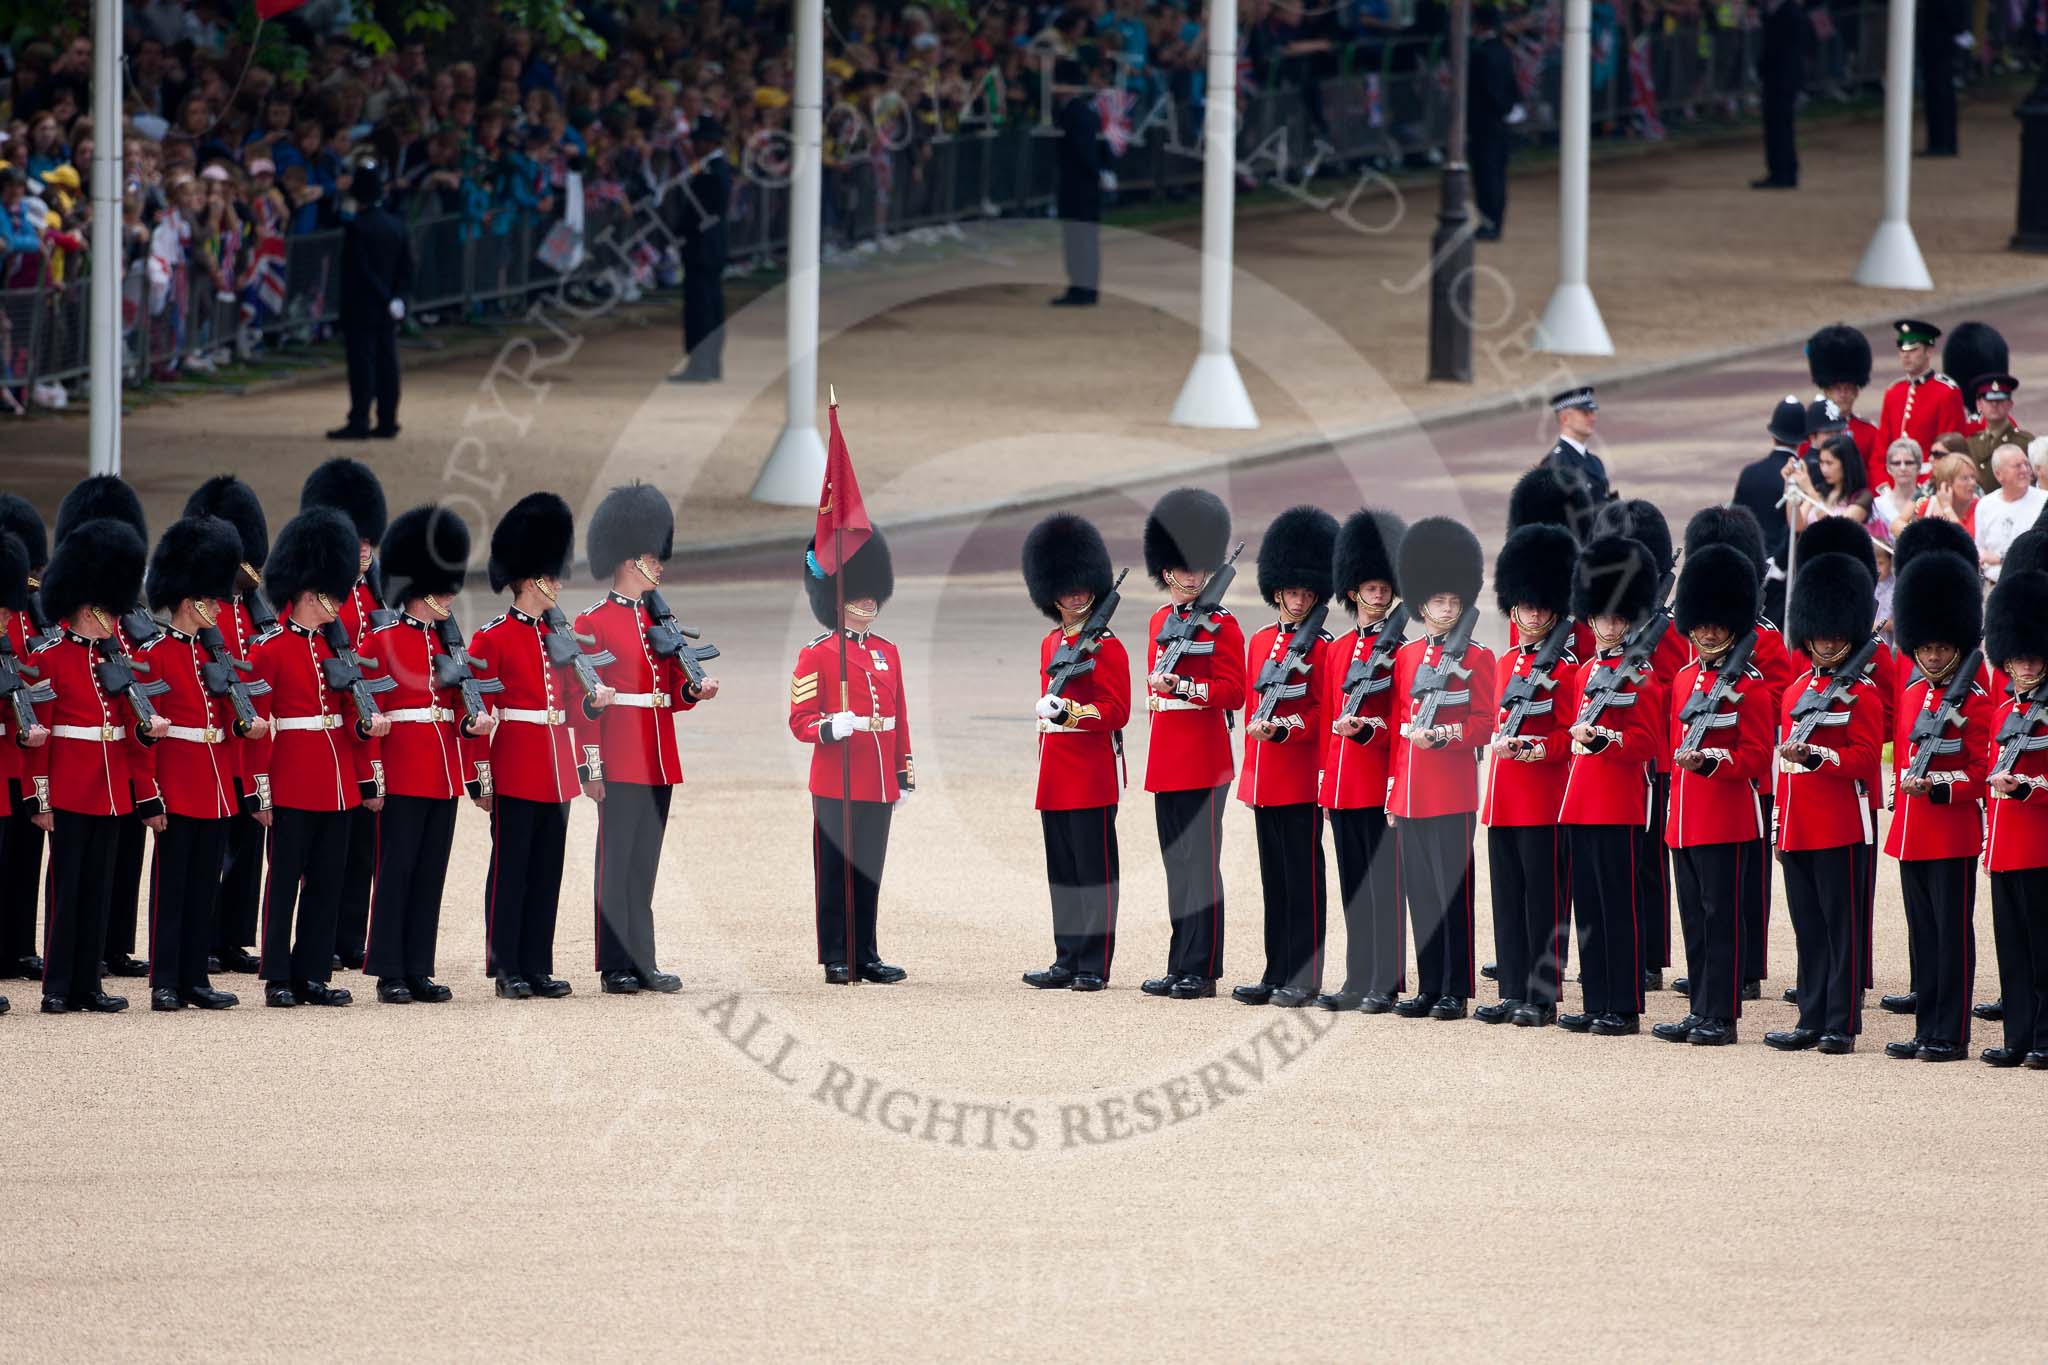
(386, 433)
(349, 434)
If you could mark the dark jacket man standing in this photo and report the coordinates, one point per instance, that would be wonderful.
(376, 275)
(1781, 69)
(1080, 185)
(706, 197)
(1493, 95)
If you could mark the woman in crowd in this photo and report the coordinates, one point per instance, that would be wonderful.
(1893, 504)
(1844, 491)
(1953, 496)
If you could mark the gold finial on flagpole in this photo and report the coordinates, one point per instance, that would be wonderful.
(832, 393)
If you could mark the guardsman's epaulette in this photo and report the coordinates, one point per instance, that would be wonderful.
(1765, 623)
(493, 623)
(1752, 671)
(152, 642)
(1948, 381)
(379, 630)
(817, 640)
(1323, 633)
(50, 643)
(593, 606)
(876, 637)
(1222, 611)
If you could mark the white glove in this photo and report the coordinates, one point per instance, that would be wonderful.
(841, 723)
(1049, 708)
(1966, 40)
(1516, 115)
(398, 310)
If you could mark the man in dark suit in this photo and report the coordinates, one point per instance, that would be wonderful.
(707, 194)
(1941, 23)
(1759, 487)
(376, 275)
(1582, 473)
(1781, 68)
(1492, 97)
(1080, 182)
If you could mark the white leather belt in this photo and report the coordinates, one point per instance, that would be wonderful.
(103, 734)
(193, 734)
(646, 701)
(528, 717)
(330, 721)
(873, 724)
(1155, 702)
(419, 714)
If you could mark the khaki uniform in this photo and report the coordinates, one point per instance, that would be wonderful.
(1987, 441)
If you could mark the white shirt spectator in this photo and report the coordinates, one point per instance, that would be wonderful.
(2001, 520)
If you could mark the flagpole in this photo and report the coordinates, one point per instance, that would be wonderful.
(845, 745)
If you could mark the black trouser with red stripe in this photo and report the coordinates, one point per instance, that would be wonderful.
(1436, 881)
(1531, 910)
(524, 887)
(870, 851)
(184, 886)
(1941, 910)
(1082, 872)
(414, 837)
(1712, 880)
(1190, 827)
(1824, 893)
(631, 821)
(1292, 875)
(359, 866)
(1369, 877)
(2019, 926)
(21, 875)
(126, 896)
(241, 885)
(1653, 880)
(78, 895)
(1756, 897)
(1603, 880)
(303, 890)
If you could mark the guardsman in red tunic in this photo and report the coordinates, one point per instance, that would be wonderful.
(529, 769)
(315, 768)
(1838, 360)
(1926, 403)
(1526, 767)
(861, 730)
(244, 617)
(21, 839)
(92, 774)
(1080, 746)
(1358, 700)
(1718, 726)
(1944, 731)
(19, 739)
(1188, 762)
(1826, 824)
(425, 556)
(1443, 706)
(632, 534)
(2016, 639)
(350, 487)
(1283, 751)
(197, 762)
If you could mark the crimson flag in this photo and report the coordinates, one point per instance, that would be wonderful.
(270, 9)
(843, 525)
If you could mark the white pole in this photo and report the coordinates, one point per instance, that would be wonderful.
(104, 326)
(1214, 394)
(796, 466)
(1893, 260)
(1571, 324)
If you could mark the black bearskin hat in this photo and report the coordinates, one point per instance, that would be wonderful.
(234, 502)
(633, 520)
(352, 489)
(317, 551)
(536, 539)
(1366, 546)
(1735, 527)
(1188, 528)
(1838, 536)
(1973, 351)
(869, 573)
(1540, 497)
(1936, 601)
(1928, 534)
(425, 553)
(2016, 617)
(102, 495)
(98, 564)
(1295, 553)
(1063, 554)
(1615, 576)
(19, 518)
(1440, 555)
(197, 557)
(1642, 520)
(1534, 568)
(2028, 551)
(1838, 354)
(1713, 590)
(13, 572)
(1833, 596)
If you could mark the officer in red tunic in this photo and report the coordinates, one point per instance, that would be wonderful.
(1358, 700)
(315, 767)
(14, 604)
(21, 839)
(1926, 403)
(1525, 775)
(528, 770)
(1188, 761)
(1067, 574)
(1435, 789)
(350, 487)
(1614, 731)
(198, 760)
(1826, 823)
(1938, 827)
(870, 718)
(425, 558)
(1838, 361)
(1721, 758)
(1283, 755)
(631, 536)
(2016, 638)
(243, 617)
(92, 774)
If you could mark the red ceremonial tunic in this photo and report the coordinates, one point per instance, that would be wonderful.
(423, 755)
(99, 767)
(636, 734)
(197, 764)
(881, 745)
(1287, 769)
(1718, 804)
(1189, 745)
(1355, 768)
(1829, 806)
(2019, 822)
(1948, 822)
(1429, 782)
(11, 752)
(532, 753)
(324, 764)
(1923, 409)
(354, 613)
(1611, 784)
(1673, 652)
(1530, 791)
(1077, 758)
(1773, 660)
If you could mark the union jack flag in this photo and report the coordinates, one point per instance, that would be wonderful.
(1114, 108)
(263, 285)
(1375, 107)
(1642, 93)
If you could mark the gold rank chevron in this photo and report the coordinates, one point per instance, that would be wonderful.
(803, 689)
